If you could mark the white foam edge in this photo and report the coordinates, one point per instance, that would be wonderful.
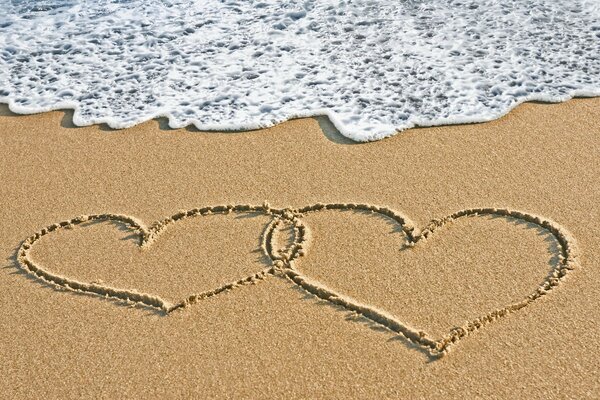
(331, 115)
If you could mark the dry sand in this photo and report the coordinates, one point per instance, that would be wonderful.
(268, 337)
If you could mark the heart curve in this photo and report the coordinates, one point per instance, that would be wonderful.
(147, 236)
(283, 262)
(568, 260)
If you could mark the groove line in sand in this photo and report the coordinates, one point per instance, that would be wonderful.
(283, 262)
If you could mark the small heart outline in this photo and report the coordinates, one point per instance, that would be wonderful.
(147, 236)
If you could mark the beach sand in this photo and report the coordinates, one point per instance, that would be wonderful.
(269, 337)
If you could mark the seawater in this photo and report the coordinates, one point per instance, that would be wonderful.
(375, 67)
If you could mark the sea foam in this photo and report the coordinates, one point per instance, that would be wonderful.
(374, 67)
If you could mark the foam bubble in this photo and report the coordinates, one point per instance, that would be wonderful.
(372, 66)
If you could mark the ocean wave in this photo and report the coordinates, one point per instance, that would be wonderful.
(375, 68)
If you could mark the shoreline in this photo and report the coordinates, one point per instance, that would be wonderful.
(331, 118)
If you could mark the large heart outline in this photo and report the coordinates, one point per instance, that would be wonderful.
(568, 260)
(283, 263)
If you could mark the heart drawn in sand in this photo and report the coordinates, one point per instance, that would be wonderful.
(283, 262)
(148, 235)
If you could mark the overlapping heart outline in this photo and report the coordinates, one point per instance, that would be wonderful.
(283, 262)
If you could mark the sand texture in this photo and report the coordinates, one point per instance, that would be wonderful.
(457, 261)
